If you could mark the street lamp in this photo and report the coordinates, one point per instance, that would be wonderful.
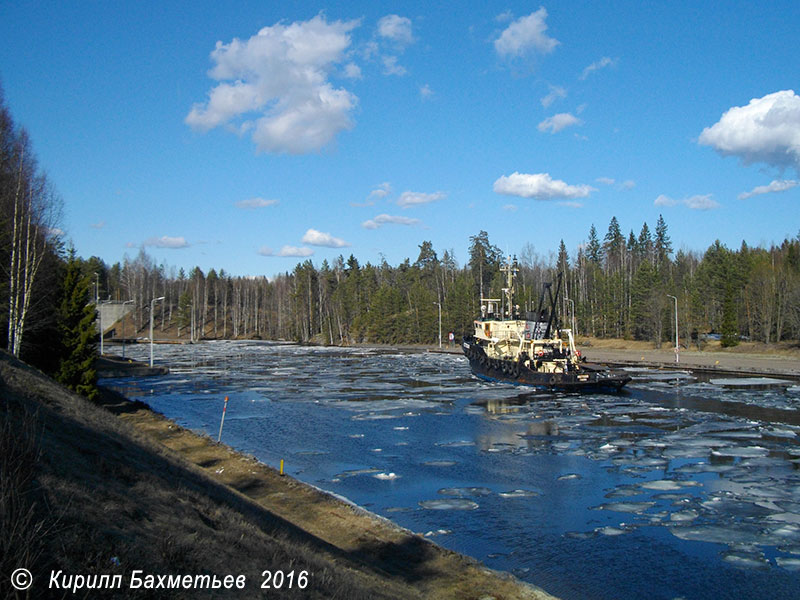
(152, 308)
(122, 325)
(439, 304)
(100, 318)
(677, 347)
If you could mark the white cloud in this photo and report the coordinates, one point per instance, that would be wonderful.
(388, 219)
(287, 251)
(408, 199)
(558, 122)
(381, 191)
(98, 225)
(701, 202)
(696, 202)
(425, 92)
(628, 184)
(394, 35)
(663, 200)
(396, 29)
(595, 66)
(767, 130)
(318, 238)
(352, 71)
(524, 36)
(390, 66)
(777, 185)
(540, 186)
(166, 241)
(276, 84)
(256, 203)
(554, 94)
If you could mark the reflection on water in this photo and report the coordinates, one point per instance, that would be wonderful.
(681, 486)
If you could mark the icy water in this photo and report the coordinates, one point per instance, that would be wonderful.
(680, 487)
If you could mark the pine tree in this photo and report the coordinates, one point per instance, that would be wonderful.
(593, 248)
(663, 245)
(78, 343)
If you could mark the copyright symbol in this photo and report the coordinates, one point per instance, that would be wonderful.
(21, 579)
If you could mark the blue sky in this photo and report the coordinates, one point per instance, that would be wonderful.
(252, 135)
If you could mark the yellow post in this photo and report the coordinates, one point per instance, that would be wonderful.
(281, 466)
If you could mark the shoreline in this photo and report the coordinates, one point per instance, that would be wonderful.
(130, 491)
(372, 542)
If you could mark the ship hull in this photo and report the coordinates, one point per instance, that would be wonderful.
(588, 378)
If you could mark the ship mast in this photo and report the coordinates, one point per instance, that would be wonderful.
(510, 268)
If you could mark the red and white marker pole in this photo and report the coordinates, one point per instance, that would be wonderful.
(222, 422)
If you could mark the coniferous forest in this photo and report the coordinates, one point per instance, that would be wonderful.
(615, 285)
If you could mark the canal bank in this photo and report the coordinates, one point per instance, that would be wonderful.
(525, 482)
(413, 565)
(127, 490)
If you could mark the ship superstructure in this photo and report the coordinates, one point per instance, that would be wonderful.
(530, 348)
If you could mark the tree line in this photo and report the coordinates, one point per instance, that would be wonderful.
(617, 286)
(46, 316)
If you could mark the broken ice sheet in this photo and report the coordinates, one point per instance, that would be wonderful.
(626, 507)
(669, 484)
(741, 451)
(789, 563)
(449, 504)
(746, 559)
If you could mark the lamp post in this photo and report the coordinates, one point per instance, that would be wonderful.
(152, 307)
(677, 347)
(439, 304)
(97, 306)
(100, 319)
(122, 325)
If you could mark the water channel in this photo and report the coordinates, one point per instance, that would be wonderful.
(680, 487)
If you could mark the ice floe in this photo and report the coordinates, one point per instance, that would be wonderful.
(449, 504)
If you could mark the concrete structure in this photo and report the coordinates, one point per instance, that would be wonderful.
(110, 312)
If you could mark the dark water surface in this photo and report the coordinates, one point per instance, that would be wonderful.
(679, 487)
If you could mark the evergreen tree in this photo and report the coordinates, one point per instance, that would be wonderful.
(484, 261)
(184, 311)
(614, 246)
(663, 245)
(593, 249)
(77, 332)
(644, 244)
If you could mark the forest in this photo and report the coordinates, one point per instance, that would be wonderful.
(616, 286)
(613, 285)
